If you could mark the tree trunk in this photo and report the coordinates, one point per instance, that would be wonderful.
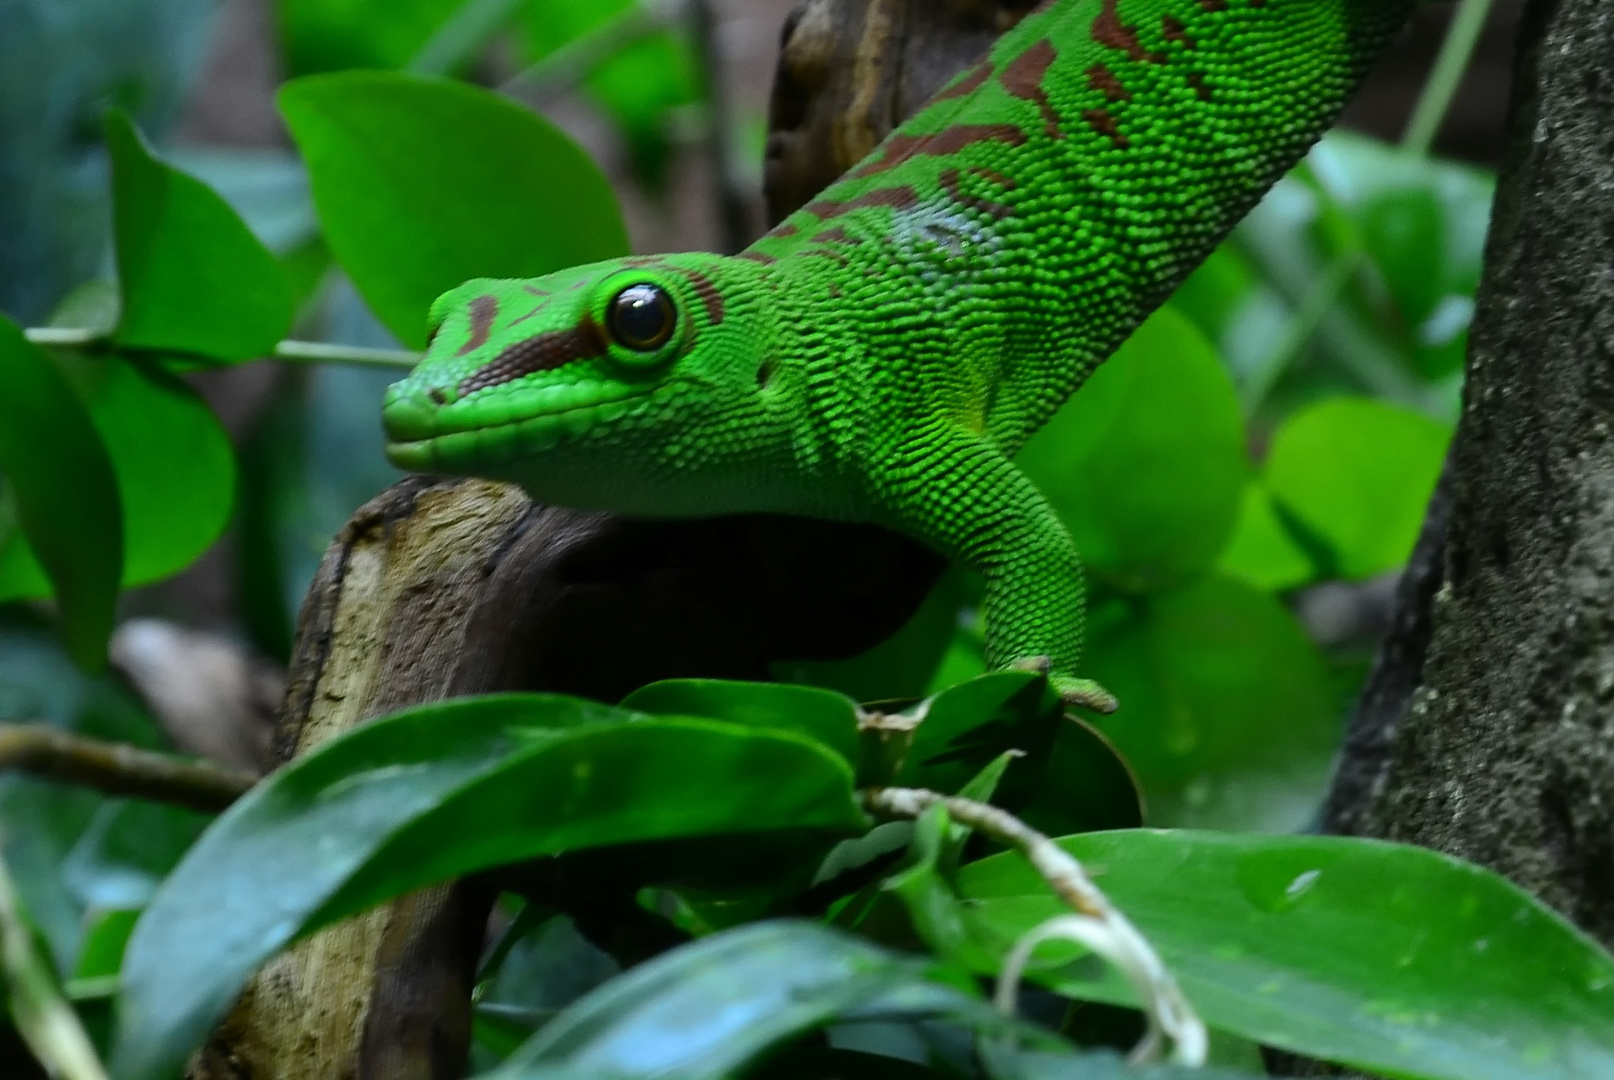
(1485, 729)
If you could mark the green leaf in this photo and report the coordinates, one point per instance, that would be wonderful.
(1357, 473)
(1227, 713)
(965, 728)
(422, 184)
(1146, 463)
(174, 464)
(1011, 1063)
(1388, 958)
(1261, 552)
(64, 494)
(706, 1009)
(430, 794)
(326, 35)
(193, 277)
(823, 715)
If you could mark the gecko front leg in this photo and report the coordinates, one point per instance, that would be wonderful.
(962, 496)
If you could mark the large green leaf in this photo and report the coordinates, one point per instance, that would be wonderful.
(1228, 717)
(1146, 463)
(423, 183)
(174, 464)
(60, 489)
(821, 715)
(1357, 474)
(703, 1011)
(432, 793)
(1390, 958)
(192, 276)
(1261, 550)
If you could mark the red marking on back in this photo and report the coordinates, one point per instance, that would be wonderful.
(1110, 32)
(836, 235)
(1197, 81)
(950, 183)
(1023, 79)
(782, 230)
(757, 256)
(1213, 5)
(900, 147)
(1174, 30)
(968, 84)
(483, 310)
(1103, 79)
(708, 292)
(897, 198)
(1102, 122)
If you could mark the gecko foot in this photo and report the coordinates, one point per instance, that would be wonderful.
(1071, 690)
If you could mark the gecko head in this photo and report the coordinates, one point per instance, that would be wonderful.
(588, 361)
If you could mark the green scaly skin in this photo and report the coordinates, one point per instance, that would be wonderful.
(882, 353)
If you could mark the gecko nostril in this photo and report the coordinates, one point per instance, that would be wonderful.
(437, 395)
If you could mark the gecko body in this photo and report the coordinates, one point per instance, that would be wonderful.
(882, 353)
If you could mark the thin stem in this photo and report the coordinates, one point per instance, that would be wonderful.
(461, 34)
(119, 769)
(571, 63)
(1441, 87)
(46, 1021)
(325, 353)
(734, 221)
(1096, 923)
(296, 351)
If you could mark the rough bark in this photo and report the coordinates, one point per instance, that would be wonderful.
(1503, 752)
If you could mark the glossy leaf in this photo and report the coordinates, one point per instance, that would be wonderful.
(430, 794)
(1357, 474)
(1006, 1063)
(408, 173)
(1227, 717)
(193, 278)
(964, 728)
(1146, 463)
(824, 715)
(706, 1009)
(174, 464)
(63, 494)
(1389, 958)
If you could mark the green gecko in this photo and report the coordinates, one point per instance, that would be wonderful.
(882, 353)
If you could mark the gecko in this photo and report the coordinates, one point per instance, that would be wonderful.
(881, 354)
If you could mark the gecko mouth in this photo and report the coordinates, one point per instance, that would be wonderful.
(417, 439)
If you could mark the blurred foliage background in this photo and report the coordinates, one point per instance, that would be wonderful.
(1244, 479)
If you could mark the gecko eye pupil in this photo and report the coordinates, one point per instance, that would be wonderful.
(641, 317)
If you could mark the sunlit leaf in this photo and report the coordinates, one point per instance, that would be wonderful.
(424, 183)
(1357, 473)
(192, 276)
(1146, 463)
(1261, 552)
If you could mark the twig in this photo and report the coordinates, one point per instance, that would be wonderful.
(1097, 924)
(46, 1021)
(460, 35)
(302, 351)
(571, 63)
(119, 769)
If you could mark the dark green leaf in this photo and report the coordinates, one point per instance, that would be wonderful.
(1393, 959)
(193, 277)
(706, 1009)
(964, 728)
(1227, 715)
(824, 715)
(64, 493)
(408, 173)
(326, 35)
(1015, 1064)
(174, 464)
(430, 794)
(1357, 473)
(1146, 463)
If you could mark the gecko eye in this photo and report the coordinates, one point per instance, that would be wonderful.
(641, 317)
